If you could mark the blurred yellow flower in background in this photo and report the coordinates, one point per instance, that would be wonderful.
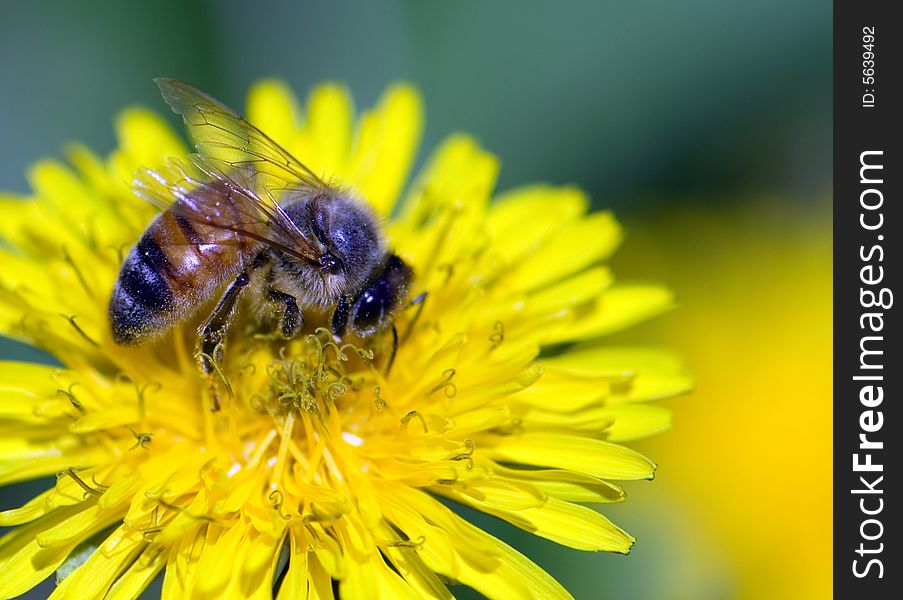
(321, 474)
(749, 458)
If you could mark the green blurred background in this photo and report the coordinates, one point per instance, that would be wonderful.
(705, 125)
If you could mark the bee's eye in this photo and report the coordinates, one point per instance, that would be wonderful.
(369, 310)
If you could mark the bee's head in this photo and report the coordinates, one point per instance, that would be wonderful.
(349, 235)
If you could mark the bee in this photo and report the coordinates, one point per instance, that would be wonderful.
(244, 216)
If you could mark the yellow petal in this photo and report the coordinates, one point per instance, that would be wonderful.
(562, 522)
(62, 193)
(593, 421)
(328, 129)
(295, 582)
(272, 109)
(91, 169)
(455, 184)
(120, 491)
(565, 485)
(516, 575)
(466, 554)
(254, 578)
(387, 146)
(564, 392)
(96, 575)
(495, 493)
(496, 390)
(31, 510)
(521, 220)
(76, 527)
(583, 455)
(109, 418)
(635, 421)
(146, 139)
(19, 211)
(373, 580)
(24, 563)
(575, 290)
(639, 373)
(23, 387)
(28, 457)
(223, 549)
(572, 248)
(405, 559)
(138, 576)
(182, 565)
(623, 305)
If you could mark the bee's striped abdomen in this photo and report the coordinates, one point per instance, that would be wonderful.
(142, 295)
(173, 268)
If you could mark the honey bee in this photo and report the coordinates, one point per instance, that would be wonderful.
(244, 211)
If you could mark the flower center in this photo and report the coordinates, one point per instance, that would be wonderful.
(315, 378)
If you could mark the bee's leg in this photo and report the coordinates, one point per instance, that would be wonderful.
(213, 332)
(291, 317)
(340, 319)
(419, 301)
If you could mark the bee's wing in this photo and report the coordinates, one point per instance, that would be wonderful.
(222, 135)
(215, 194)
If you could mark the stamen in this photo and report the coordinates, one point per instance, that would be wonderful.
(511, 428)
(141, 390)
(448, 269)
(158, 497)
(97, 483)
(68, 258)
(467, 454)
(450, 388)
(149, 533)
(88, 489)
(313, 381)
(415, 543)
(498, 335)
(207, 359)
(71, 319)
(119, 250)
(277, 498)
(165, 503)
(377, 399)
(335, 390)
(71, 397)
(152, 529)
(315, 516)
(365, 353)
(143, 438)
(407, 418)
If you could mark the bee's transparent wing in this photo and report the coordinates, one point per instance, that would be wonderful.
(215, 194)
(222, 135)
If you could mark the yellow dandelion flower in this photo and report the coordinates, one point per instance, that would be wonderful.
(320, 474)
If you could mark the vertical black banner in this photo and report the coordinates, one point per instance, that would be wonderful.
(868, 66)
